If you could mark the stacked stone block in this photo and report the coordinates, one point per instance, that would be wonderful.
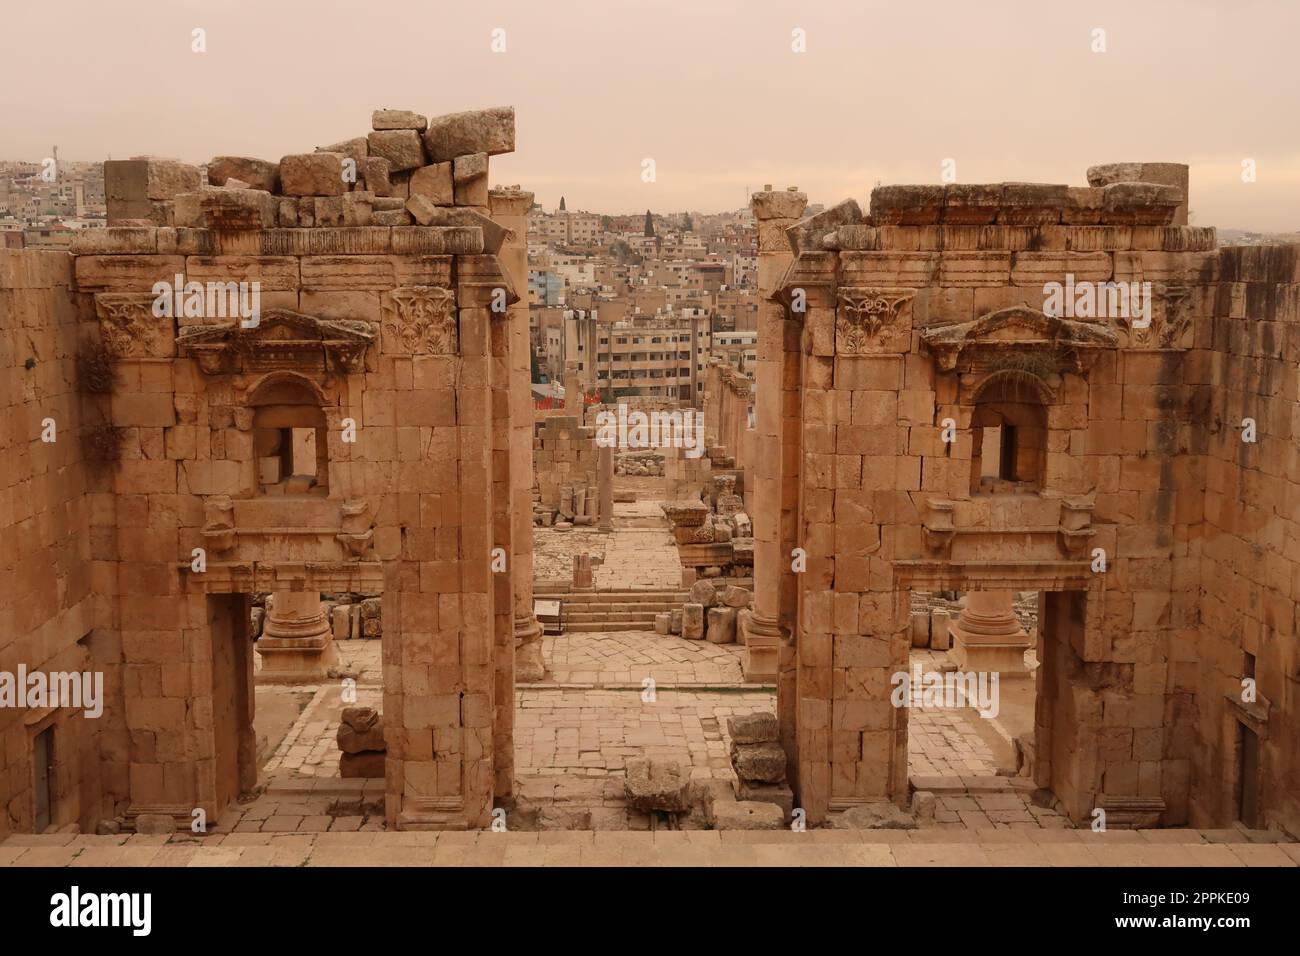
(565, 468)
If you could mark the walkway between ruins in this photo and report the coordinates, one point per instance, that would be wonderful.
(608, 697)
(639, 554)
(575, 732)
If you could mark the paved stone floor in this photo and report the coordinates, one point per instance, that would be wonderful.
(638, 554)
(571, 746)
(818, 847)
(629, 657)
(575, 733)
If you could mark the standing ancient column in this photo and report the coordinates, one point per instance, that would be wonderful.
(605, 480)
(775, 211)
(573, 391)
(988, 637)
(297, 645)
(509, 207)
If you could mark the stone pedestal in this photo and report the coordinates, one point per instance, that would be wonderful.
(582, 574)
(296, 645)
(987, 637)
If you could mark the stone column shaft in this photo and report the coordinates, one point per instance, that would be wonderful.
(605, 478)
(510, 207)
(762, 629)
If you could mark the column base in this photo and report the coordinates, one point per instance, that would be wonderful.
(295, 660)
(1004, 658)
(762, 648)
(530, 665)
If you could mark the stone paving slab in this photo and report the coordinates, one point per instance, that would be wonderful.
(601, 658)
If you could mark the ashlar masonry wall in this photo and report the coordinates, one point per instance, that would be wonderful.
(48, 580)
(906, 327)
(1246, 669)
(391, 342)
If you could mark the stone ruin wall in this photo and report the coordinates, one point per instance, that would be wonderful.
(1243, 578)
(1143, 458)
(906, 312)
(367, 319)
(52, 602)
(564, 467)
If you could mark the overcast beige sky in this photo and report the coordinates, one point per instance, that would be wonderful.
(709, 89)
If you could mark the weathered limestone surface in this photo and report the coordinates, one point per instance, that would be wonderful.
(398, 119)
(658, 785)
(489, 131)
(313, 174)
(401, 147)
(255, 173)
(1159, 441)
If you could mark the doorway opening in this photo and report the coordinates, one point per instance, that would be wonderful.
(45, 788)
(1247, 803)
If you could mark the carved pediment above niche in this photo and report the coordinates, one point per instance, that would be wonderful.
(282, 339)
(1070, 345)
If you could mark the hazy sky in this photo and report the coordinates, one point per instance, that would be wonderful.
(709, 89)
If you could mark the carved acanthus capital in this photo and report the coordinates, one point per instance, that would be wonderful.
(1168, 316)
(937, 526)
(866, 318)
(219, 523)
(357, 527)
(685, 514)
(1076, 531)
(129, 327)
(421, 320)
